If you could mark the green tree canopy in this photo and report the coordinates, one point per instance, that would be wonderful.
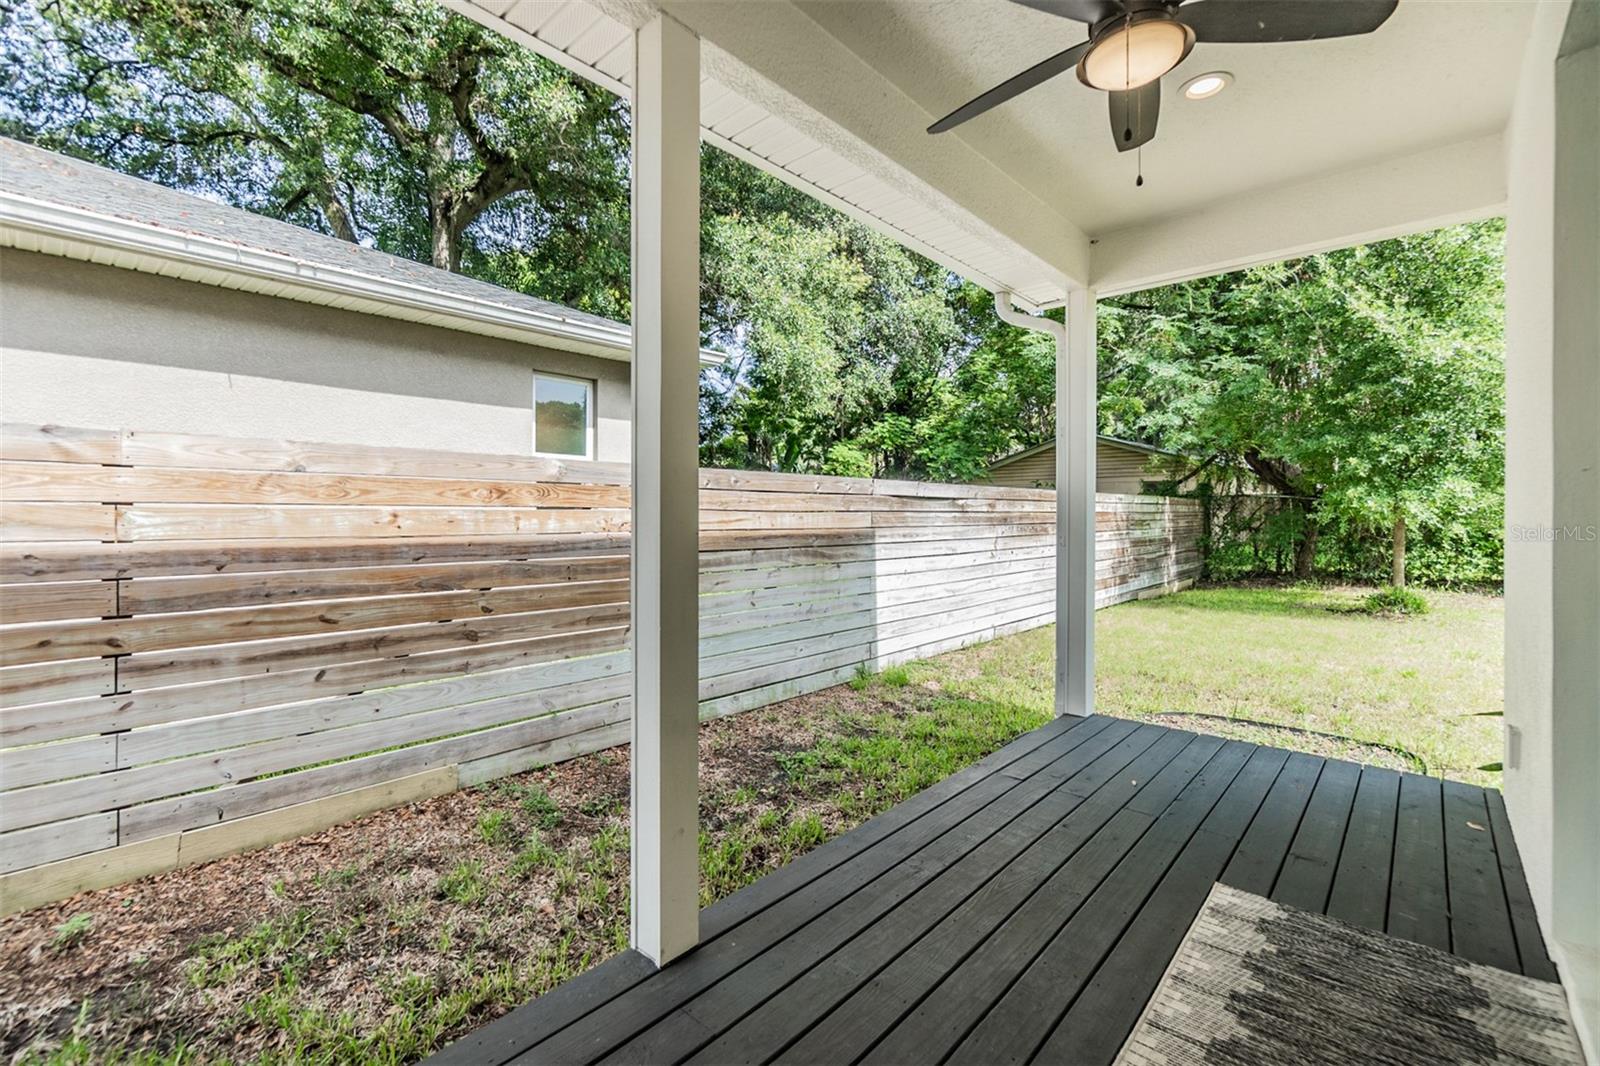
(1364, 385)
(394, 123)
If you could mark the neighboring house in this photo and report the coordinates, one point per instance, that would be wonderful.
(1120, 466)
(128, 304)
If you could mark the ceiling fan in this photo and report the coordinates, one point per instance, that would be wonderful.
(1132, 43)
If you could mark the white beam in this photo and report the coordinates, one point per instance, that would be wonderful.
(1075, 508)
(1075, 498)
(665, 585)
(1575, 499)
(1427, 189)
(778, 57)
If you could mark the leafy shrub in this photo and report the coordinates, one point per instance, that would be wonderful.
(847, 460)
(1394, 600)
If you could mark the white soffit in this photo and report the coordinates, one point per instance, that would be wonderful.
(1315, 145)
(595, 41)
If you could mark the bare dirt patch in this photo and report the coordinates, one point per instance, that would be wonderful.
(381, 939)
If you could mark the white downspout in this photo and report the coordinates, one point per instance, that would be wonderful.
(1075, 496)
(1011, 316)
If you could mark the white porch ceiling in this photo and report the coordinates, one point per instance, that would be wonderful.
(1314, 145)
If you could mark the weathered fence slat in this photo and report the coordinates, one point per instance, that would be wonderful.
(207, 643)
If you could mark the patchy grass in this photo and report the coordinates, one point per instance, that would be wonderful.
(71, 931)
(381, 940)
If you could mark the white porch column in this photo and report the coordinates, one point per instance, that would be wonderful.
(1075, 508)
(665, 580)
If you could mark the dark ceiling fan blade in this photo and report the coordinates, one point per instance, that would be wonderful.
(1090, 11)
(1134, 114)
(1269, 21)
(1013, 86)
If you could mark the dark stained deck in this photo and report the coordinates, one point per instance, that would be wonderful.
(1025, 908)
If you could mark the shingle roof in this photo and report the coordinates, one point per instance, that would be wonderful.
(73, 190)
(1101, 437)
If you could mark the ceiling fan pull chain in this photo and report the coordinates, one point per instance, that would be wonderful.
(1138, 110)
(1127, 75)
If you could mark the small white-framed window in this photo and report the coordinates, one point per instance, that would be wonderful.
(563, 417)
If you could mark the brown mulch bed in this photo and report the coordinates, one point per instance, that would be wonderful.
(376, 920)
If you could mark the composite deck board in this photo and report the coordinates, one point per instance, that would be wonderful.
(1093, 1027)
(1024, 909)
(893, 870)
(1083, 841)
(1306, 878)
(1015, 1027)
(871, 913)
(1531, 952)
(1419, 903)
(1360, 893)
(1480, 917)
(799, 992)
(966, 995)
(1256, 862)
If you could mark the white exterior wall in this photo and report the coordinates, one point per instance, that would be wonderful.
(89, 345)
(1552, 423)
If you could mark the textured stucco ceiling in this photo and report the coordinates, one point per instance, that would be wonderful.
(1315, 145)
(1438, 71)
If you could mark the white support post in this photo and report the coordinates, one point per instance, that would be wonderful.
(665, 585)
(1075, 503)
(1075, 508)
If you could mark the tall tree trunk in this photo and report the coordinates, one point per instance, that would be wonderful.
(1397, 570)
(445, 249)
(445, 254)
(338, 218)
(1305, 550)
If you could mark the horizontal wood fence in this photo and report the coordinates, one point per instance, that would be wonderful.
(207, 644)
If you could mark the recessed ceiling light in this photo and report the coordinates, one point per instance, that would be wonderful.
(1204, 86)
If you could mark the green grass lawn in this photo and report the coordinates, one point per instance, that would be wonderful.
(1430, 684)
(1297, 657)
(380, 940)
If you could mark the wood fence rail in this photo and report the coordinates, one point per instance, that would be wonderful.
(207, 644)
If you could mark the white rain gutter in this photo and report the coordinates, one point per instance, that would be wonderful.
(57, 229)
(1011, 316)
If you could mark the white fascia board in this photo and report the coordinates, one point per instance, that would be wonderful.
(1424, 190)
(776, 57)
(39, 225)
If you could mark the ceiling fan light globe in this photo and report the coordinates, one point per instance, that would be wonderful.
(1135, 53)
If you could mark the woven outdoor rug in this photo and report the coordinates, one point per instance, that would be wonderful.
(1259, 984)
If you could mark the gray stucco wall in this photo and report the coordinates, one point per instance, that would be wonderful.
(98, 346)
